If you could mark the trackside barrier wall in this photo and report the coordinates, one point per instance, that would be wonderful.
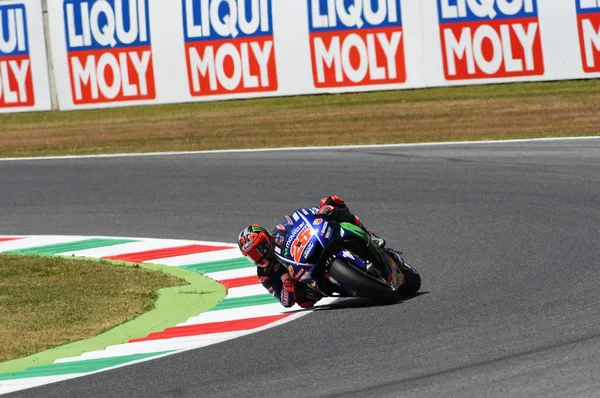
(133, 52)
(23, 68)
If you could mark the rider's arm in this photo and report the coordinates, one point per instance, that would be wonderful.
(334, 208)
(278, 283)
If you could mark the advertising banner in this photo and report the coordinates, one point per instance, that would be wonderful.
(23, 69)
(357, 43)
(588, 23)
(109, 50)
(110, 53)
(229, 46)
(490, 39)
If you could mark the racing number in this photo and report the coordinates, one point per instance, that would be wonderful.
(299, 244)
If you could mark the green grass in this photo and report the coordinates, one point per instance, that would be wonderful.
(50, 301)
(499, 111)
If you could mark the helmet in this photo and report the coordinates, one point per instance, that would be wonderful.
(255, 243)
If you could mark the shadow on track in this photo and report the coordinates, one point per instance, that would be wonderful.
(348, 302)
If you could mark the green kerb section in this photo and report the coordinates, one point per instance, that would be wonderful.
(90, 365)
(174, 305)
(223, 265)
(245, 302)
(50, 250)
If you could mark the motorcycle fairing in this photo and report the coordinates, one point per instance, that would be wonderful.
(310, 236)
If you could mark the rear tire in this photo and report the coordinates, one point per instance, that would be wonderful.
(362, 284)
(412, 281)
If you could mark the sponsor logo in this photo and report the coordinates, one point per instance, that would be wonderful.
(356, 42)
(348, 255)
(490, 38)
(301, 275)
(16, 83)
(317, 221)
(109, 50)
(304, 274)
(295, 216)
(588, 22)
(325, 228)
(229, 46)
(293, 234)
(308, 250)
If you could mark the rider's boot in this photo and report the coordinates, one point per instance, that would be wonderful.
(378, 240)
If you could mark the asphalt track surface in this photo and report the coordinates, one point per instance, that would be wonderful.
(506, 237)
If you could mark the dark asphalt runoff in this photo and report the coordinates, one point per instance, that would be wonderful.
(506, 237)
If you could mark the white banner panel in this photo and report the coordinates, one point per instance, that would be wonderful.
(23, 67)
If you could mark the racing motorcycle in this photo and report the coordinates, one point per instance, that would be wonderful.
(340, 260)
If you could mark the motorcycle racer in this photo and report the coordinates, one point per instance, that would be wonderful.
(258, 244)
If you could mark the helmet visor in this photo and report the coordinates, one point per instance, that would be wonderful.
(259, 255)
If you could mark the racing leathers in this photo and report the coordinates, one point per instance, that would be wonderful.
(275, 277)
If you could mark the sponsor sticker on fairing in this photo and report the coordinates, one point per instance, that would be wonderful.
(229, 46)
(109, 50)
(347, 254)
(16, 83)
(356, 42)
(588, 22)
(326, 231)
(308, 250)
(490, 38)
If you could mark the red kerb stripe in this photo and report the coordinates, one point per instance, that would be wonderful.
(213, 327)
(239, 282)
(140, 257)
(6, 239)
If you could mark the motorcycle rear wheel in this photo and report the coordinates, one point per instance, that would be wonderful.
(412, 281)
(362, 284)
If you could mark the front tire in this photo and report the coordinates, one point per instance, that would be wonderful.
(362, 284)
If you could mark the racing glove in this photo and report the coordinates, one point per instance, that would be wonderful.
(332, 201)
(294, 292)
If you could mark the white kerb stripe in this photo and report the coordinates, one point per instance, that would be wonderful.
(244, 291)
(232, 314)
(34, 241)
(7, 386)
